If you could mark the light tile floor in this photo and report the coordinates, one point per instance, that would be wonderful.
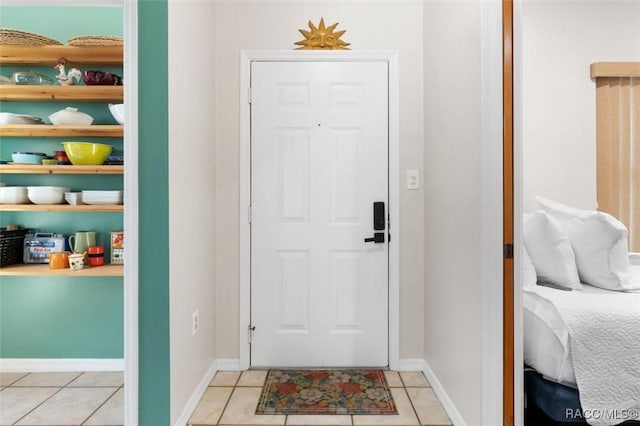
(69, 399)
(232, 397)
(97, 399)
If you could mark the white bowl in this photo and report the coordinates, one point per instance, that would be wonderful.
(62, 189)
(13, 195)
(73, 198)
(70, 117)
(5, 80)
(11, 118)
(102, 197)
(46, 194)
(117, 110)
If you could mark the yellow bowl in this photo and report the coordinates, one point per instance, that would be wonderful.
(87, 153)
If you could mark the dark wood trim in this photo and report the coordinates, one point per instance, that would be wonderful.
(508, 212)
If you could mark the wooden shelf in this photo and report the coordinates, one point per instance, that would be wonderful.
(48, 55)
(83, 57)
(44, 270)
(62, 208)
(31, 93)
(29, 169)
(51, 131)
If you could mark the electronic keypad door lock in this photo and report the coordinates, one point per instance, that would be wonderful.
(378, 216)
(378, 238)
(378, 223)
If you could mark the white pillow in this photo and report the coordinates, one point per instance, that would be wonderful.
(550, 250)
(599, 242)
(529, 276)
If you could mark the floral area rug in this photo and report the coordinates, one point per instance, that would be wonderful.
(326, 392)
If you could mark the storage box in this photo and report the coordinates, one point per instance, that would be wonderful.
(11, 246)
(117, 247)
(38, 246)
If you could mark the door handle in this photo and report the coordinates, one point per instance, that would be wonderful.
(378, 238)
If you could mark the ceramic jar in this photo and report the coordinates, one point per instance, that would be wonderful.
(95, 255)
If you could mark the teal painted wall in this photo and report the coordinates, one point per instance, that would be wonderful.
(56, 317)
(62, 23)
(153, 180)
(154, 363)
(41, 317)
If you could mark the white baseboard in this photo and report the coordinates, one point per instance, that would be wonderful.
(222, 364)
(193, 401)
(35, 365)
(411, 364)
(438, 389)
(228, 364)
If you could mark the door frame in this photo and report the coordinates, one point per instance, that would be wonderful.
(246, 58)
(513, 378)
(508, 364)
(517, 212)
(130, 217)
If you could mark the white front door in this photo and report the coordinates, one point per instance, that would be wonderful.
(319, 162)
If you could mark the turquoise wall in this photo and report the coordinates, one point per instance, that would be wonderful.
(53, 317)
(153, 180)
(62, 23)
(154, 363)
(58, 317)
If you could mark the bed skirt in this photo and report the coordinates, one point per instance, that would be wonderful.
(561, 403)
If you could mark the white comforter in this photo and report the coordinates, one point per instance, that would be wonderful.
(604, 332)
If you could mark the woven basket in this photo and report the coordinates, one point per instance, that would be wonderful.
(22, 38)
(93, 40)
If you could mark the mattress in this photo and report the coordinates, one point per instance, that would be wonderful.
(546, 338)
(588, 337)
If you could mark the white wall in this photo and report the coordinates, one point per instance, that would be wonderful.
(274, 25)
(560, 39)
(440, 236)
(452, 220)
(191, 196)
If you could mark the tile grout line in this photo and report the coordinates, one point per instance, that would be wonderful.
(101, 405)
(233, 389)
(412, 405)
(226, 404)
(60, 388)
(37, 405)
(15, 381)
(74, 379)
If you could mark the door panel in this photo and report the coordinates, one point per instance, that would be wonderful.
(319, 143)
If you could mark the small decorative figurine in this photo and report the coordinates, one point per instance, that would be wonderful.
(64, 78)
(322, 37)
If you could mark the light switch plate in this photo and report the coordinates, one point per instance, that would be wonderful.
(413, 179)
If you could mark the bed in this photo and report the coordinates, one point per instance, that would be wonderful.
(582, 351)
(582, 344)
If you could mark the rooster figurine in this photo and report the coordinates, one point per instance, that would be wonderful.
(64, 78)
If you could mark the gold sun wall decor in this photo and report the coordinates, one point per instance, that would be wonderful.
(322, 37)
